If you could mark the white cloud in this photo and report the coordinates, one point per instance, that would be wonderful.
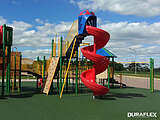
(126, 7)
(36, 37)
(133, 33)
(141, 36)
(63, 27)
(72, 2)
(37, 52)
(39, 21)
(26, 34)
(130, 39)
(15, 2)
(2, 20)
(20, 25)
(134, 39)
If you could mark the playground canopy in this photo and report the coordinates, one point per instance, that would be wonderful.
(105, 52)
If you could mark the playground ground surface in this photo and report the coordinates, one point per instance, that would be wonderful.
(31, 105)
(138, 82)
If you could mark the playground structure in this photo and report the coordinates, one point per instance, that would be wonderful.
(5, 50)
(10, 61)
(15, 70)
(87, 77)
(65, 67)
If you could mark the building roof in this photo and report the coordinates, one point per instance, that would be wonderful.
(105, 52)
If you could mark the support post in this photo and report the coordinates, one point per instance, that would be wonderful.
(52, 46)
(3, 69)
(20, 68)
(152, 74)
(15, 71)
(66, 63)
(108, 76)
(113, 65)
(37, 71)
(8, 67)
(44, 66)
(120, 75)
(60, 83)
(69, 78)
(77, 71)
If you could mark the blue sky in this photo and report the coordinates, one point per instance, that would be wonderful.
(134, 25)
(58, 10)
(29, 10)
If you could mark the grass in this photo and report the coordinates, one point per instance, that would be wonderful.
(31, 105)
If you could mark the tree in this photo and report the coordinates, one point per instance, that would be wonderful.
(140, 67)
(119, 66)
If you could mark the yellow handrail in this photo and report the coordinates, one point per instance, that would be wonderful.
(68, 68)
(132, 62)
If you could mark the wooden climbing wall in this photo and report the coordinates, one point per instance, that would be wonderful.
(51, 72)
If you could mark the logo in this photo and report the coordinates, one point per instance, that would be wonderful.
(142, 114)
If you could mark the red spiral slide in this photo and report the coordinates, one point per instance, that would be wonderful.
(88, 77)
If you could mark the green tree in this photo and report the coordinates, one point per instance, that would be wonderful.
(140, 67)
(119, 66)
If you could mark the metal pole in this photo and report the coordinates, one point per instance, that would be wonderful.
(77, 71)
(135, 65)
(150, 72)
(63, 70)
(44, 65)
(60, 83)
(8, 68)
(7, 79)
(120, 80)
(3, 69)
(9, 52)
(37, 71)
(69, 79)
(151, 75)
(20, 68)
(108, 76)
(66, 63)
(15, 71)
(52, 46)
(7, 72)
(113, 65)
(67, 68)
(10, 38)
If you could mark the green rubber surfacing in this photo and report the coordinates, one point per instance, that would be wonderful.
(31, 105)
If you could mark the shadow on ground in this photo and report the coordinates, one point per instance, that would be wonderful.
(114, 95)
(26, 93)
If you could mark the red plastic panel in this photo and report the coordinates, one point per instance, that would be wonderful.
(88, 77)
(86, 12)
(1, 35)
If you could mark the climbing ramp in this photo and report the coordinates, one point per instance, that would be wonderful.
(55, 61)
(51, 72)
